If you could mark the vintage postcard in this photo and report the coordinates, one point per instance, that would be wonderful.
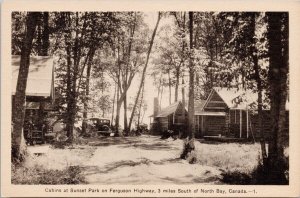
(150, 99)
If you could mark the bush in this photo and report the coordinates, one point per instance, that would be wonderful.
(38, 175)
(236, 177)
(261, 175)
(264, 175)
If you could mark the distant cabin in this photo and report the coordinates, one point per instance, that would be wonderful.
(173, 117)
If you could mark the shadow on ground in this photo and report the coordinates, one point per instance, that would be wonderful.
(90, 170)
(109, 141)
(153, 146)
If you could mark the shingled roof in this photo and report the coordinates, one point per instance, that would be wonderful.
(169, 110)
(40, 81)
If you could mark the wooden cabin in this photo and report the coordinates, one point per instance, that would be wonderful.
(229, 113)
(173, 117)
(208, 123)
(39, 89)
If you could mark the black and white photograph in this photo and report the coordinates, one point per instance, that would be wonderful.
(150, 98)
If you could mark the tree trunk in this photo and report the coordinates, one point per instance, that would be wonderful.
(113, 108)
(145, 69)
(170, 88)
(69, 85)
(68, 38)
(140, 107)
(119, 103)
(177, 83)
(73, 95)
(126, 130)
(260, 112)
(189, 144)
(183, 91)
(253, 52)
(45, 35)
(191, 110)
(87, 91)
(278, 54)
(44, 52)
(182, 60)
(18, 113)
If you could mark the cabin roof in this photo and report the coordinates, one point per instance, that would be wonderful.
(40, 82)
(168, 110)
(236, 98)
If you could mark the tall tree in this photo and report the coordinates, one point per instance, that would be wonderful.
(278, 25)
(189, 144)
(18, 112)
(145, 68)
(191, 110)
(253, 51)
(72, 49)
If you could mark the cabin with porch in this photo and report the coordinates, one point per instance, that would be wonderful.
(230, 113)
(39, 94)
(173, 117)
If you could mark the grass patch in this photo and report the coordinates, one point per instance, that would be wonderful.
(236, 178)
(228, 156)
(38, 175)
(259, 176)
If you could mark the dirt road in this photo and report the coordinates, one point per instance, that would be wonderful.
(143, 160)
(146, 160)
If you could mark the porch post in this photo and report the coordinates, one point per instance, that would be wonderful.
(241, 120)
(202, 128)
(247, 113)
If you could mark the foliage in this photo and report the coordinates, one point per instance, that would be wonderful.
(38, 175)
(247, 43)
(259, 176)
(213, 66)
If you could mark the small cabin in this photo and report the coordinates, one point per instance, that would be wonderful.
(173, 117)
(230, 113)
(39, 90)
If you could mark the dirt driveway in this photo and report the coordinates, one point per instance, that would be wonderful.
(147, 160)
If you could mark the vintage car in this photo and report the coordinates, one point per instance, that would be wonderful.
(101, 126)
